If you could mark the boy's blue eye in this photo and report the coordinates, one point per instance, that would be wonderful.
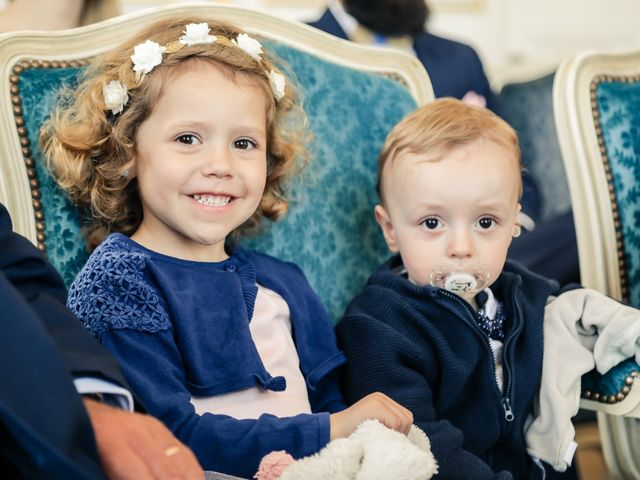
(431, 223)
(188, 139)
(486, 223)
(244, 144)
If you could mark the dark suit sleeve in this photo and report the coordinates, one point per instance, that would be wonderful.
(44, 429)
(34, 278)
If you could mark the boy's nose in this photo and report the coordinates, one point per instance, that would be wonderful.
(217, 162)
(460, 244)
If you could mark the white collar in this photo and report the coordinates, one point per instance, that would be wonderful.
(491, 305)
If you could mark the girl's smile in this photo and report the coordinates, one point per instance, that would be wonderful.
(212, 199)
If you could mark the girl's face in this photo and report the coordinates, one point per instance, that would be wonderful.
(201, 163)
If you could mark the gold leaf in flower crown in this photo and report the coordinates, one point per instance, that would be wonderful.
(173, 47)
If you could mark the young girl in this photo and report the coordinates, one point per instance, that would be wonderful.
(175, 141)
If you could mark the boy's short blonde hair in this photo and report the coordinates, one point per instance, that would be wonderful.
(435, 129)
(90, 151)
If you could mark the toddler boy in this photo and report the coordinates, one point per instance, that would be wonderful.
(450, 328)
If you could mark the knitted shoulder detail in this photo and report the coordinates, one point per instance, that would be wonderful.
(111, 292)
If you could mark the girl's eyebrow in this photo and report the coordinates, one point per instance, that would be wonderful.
(198, 125)
(187, 124)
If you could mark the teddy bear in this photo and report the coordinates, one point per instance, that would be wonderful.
(371, 452)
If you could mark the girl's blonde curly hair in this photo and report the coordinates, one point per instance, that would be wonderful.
(90, 150)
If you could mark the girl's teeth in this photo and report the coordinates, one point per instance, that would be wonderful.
(212, 200)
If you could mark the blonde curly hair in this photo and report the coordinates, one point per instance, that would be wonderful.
(89, 150)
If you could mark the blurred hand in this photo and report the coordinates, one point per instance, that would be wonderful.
(374, 406)
(140, 447)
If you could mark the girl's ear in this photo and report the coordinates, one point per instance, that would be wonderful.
(383, 219)
(132, 170)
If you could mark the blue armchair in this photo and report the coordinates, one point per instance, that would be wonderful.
(353, 96)
(596, 99)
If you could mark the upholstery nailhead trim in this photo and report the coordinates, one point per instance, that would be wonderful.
(16, 101)
(628, 382)
(618, 397)
(624, 285)
(396, 78)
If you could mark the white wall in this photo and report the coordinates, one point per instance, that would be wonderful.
(524, 38)
(517, 39)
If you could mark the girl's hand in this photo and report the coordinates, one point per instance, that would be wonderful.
(374, 406)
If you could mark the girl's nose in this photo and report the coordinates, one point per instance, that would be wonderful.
(217, 162)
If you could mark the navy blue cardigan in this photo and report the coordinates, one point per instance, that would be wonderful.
(181, 329)
(422, 347)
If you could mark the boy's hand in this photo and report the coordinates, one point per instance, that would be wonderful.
(135, 446)
(374, 406)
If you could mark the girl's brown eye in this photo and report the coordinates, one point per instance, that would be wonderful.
(244, 144)
(188, 139)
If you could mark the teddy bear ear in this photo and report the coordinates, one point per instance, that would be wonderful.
(419, 438)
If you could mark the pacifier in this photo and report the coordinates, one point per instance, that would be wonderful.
(465, 281)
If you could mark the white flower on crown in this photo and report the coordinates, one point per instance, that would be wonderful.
(249, 45)
(146, 56)
(197, 34)
(277, 84)
(115, 96)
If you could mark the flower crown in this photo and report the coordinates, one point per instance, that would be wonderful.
(148, 55)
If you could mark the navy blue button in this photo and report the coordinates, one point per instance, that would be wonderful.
(230, 267)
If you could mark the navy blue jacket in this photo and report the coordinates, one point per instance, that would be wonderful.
(44, 429)
(454, 68)
(422, 347)
(181, 328)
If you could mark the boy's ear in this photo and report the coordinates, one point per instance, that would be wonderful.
(517, 227)
(383, 219)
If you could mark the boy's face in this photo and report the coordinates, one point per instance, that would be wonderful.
(460, 210)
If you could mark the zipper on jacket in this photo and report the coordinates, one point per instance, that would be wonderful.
(508, 413)
(509, 416)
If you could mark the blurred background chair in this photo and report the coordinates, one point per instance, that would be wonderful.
(353, 96)
(528, 107)
(597, 113)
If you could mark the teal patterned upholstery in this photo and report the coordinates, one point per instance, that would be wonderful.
(617, 119)
(618, 105)
(330, 230)
(64, 241)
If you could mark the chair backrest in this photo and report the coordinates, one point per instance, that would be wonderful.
(597, 108)
(597, 112)
(353, 96)
(528, 107)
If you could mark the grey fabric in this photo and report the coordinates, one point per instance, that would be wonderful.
(209, 475)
